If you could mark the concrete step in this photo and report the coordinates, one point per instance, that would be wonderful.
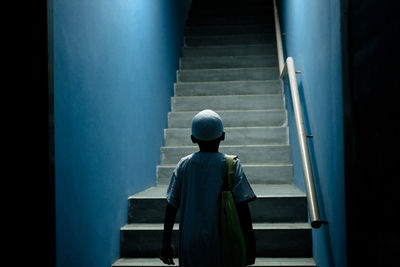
(228, 29)
(272, 240)
(228, 62)
(237, 39)
(274, 203)
(248, 154)
(230, 74)
(228, 88)
(227, 5)
(233, 136)
(260, 262)
(255, 173)
(229, 102)
(229, 50)
(228, 20)
(252, 10)
(240, 118)
(211, 3)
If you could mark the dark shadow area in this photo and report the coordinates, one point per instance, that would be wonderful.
(371, 134)
(31, 155)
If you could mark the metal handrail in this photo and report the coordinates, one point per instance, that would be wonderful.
(288, 68)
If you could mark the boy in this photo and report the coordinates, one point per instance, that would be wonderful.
(195, 190)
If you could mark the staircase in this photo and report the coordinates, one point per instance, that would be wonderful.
(229, 64)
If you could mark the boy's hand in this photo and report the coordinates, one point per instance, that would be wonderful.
(251, 255)
(167, 254)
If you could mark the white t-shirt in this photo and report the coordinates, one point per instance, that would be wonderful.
(195, 189)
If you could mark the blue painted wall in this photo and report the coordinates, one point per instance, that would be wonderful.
(312, 37)
(114, 67)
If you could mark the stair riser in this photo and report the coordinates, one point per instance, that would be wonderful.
(257, 174)
(224, 9)
(264, 209)
(158, 263)
(224, 6)
(247, 155)
(243, 136)
(239, 39)
(241, 74)
(270, 242)
(232, 119)
(198, 103)
(229, 30)
(241, 20)
(228, 62)
(225, 50)
(228, 88)
(211, 3)
(284, 243)
(224, 12)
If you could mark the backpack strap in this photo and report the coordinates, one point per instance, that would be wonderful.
(230, 170)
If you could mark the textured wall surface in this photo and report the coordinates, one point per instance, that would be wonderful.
(312, 37)
(114, 67)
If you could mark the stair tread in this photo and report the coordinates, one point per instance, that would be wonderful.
(229, 146)
(248, 153)
(227, 102)
(228, 112)
(259, 262)
(256, 226)
(232, 110)
(228, 50)
(228, 96)
(231, 96)
(231, 35)
(238, 134)
(228, 57)
(227, 46)
(231, 26)
(227, 62)
(229, 128)
(261, 190)
(231, 82)
(227, 74)
(228, 20)
(228, 69)
(249, 87)
(244, 165)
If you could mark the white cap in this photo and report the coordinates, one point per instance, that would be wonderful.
(207, 125)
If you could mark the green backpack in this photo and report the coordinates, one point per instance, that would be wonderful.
(233, 243)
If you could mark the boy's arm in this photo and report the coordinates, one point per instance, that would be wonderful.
(167, 251)
(247, 226)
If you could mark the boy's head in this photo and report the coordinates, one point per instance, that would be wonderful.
(207, 129)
